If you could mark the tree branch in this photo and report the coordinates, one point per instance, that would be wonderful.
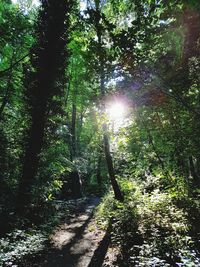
(13, 65)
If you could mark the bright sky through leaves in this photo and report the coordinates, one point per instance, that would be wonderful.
(34, 2)
(116, 111)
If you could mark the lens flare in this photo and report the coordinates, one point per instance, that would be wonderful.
(116, 111)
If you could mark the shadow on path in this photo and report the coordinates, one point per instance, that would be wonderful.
(64, 257)
(100, 253)
(79, 243)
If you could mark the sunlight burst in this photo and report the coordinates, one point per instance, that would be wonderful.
(116, 111)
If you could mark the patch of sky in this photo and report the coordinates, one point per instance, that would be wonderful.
(113, 82)
(34, 2)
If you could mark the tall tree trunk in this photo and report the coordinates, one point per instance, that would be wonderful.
(79, 130)
(73, 130)
(74, 176)
(196, 180)
(151, 142)
(109, 161)
(180, 160)
(48, 61)
(99, 180)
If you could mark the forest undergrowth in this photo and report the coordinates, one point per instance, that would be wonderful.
(101, 98)
(28, 242)
(154, 226)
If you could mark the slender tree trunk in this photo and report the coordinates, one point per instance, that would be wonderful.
(74, 176)
(198, 164)
(49, 63)
(99, 180)
(109, 161)
(73, 130)
(3, 105)
(8, 88)
(180, 160)
(79, 130)
(164, 171)
(196, 180)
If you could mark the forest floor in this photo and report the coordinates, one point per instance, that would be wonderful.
(75, 241)
(73, 237)
(78, 242)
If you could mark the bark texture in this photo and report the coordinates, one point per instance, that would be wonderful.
(48, 62)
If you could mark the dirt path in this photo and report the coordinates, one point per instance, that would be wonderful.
(79, 242)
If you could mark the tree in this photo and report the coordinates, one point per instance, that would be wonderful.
(48, 62)
(16, 40)
(96, 17)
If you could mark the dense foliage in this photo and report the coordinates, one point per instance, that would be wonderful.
(99, 97)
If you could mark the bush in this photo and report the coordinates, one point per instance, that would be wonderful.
(148, 229)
